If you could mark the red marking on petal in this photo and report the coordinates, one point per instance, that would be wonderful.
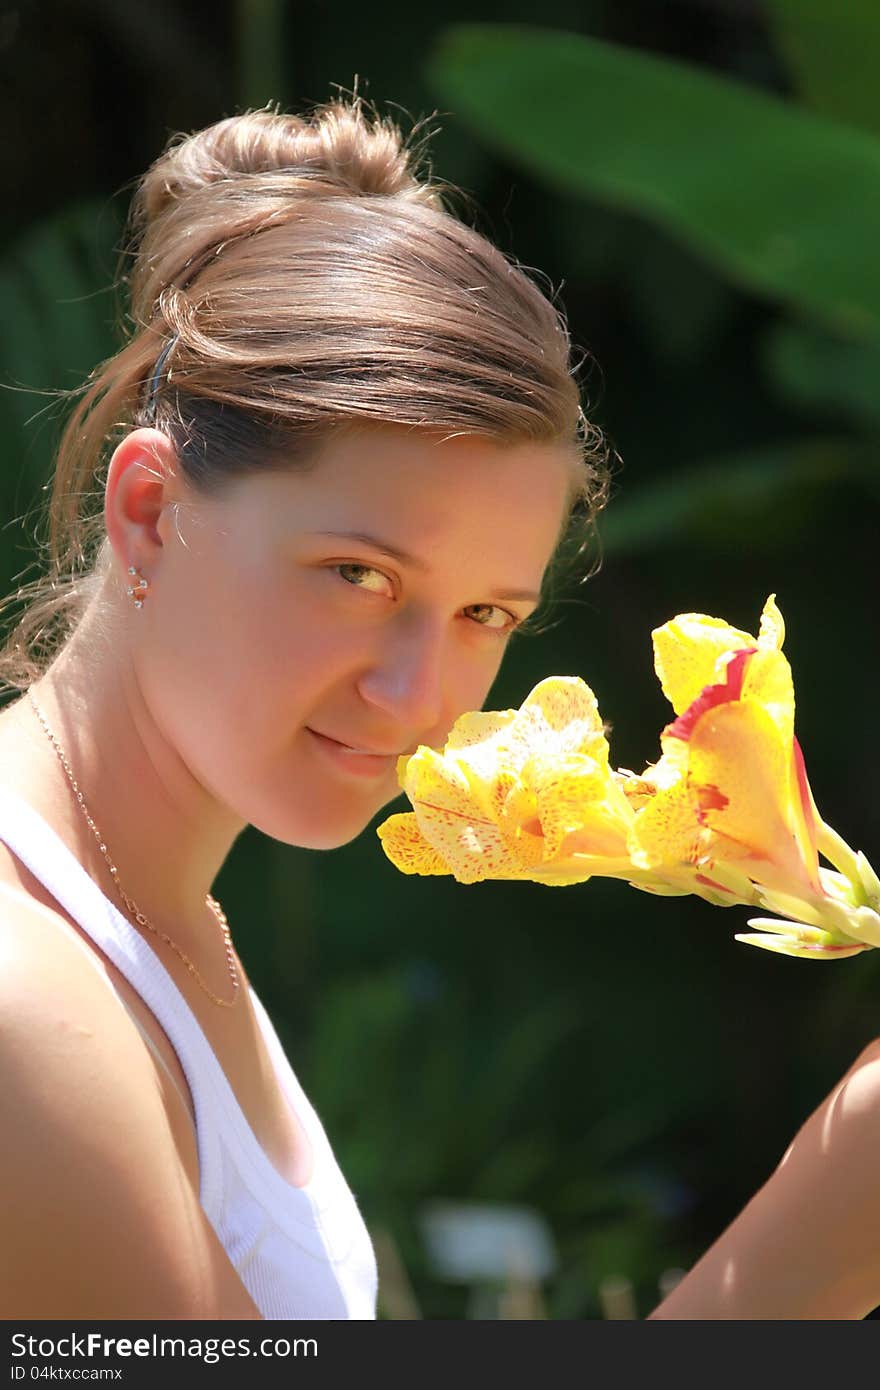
(709, 798)
(735, 670)
(835, 946)
(457, 815)
(727, 691)
(806, 800)
(710, 883)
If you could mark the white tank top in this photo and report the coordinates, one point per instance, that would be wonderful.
(301, 1252)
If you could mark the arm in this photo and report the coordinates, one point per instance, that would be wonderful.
(807, 1245)
(97, 1215)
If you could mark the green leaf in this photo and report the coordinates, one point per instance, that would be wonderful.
(820, 371)
(832, 52)
(58, 310)
(764, 498)
(783, 201)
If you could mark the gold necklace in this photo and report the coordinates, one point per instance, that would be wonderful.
(132, 906)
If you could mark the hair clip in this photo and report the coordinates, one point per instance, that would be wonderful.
(150, 404)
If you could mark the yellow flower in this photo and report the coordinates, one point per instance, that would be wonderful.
(731, 789)
(726, 813)
(515, 794)
(691, 651)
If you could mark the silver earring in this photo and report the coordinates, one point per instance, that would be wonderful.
(141, 587)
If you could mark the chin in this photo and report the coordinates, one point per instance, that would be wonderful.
(330, 840)
(317, 819)
(332, 835)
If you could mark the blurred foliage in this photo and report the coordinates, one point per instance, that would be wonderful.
(832, 54)
(702, 182)
(733, 172)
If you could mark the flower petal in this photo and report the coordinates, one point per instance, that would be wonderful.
(667, 830)
(687, 652)
(406, 847)
(661, 889)
(576, 794)
(450, 820)
(771, 633)
(805, 950)
(767, 679)
(478, 725)
(559, 717)
(742, 772)
(723, 692)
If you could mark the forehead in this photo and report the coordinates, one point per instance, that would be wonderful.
(424, 490)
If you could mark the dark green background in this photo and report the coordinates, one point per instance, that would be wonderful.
(617, 1062)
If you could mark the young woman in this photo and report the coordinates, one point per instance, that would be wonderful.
(294, 522)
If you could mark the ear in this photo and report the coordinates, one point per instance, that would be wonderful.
(142, 482)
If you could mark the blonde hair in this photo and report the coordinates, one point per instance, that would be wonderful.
(291, 277)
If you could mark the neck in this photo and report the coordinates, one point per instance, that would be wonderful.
(164, 833)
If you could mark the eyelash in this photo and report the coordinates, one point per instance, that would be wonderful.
(515, 622)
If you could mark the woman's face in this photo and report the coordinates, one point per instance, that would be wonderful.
(267, 631)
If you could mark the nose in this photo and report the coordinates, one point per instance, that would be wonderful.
(406, 680)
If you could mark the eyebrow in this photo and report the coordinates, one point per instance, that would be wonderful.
(404, 558)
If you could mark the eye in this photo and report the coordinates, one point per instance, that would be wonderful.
(510, 622)
(362, 569)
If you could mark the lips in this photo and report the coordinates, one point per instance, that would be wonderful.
(349, 762)
(359, 748)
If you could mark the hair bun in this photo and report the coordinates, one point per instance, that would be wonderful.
(336, 145)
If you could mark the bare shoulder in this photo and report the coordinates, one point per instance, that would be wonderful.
(845, 1126)
(50, 987)
(867, 1057)
(56, 1002)
(99, 1217)
(807, 1245)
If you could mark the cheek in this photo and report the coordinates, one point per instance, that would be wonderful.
(469, 693)
(200, 651)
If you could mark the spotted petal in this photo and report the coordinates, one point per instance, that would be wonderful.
(452, 823)
(407, 848)
(576, 796)
(559, 716)
(667, 831)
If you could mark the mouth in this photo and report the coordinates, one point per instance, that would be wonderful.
(352, 761)
(358, 750)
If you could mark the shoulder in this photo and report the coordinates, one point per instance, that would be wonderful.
(806, 1245)
(89, 1169)
(846, 1124)
(49, 980)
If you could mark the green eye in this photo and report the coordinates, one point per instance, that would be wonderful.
(363, 569)
(359, 569)
(508, 626)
